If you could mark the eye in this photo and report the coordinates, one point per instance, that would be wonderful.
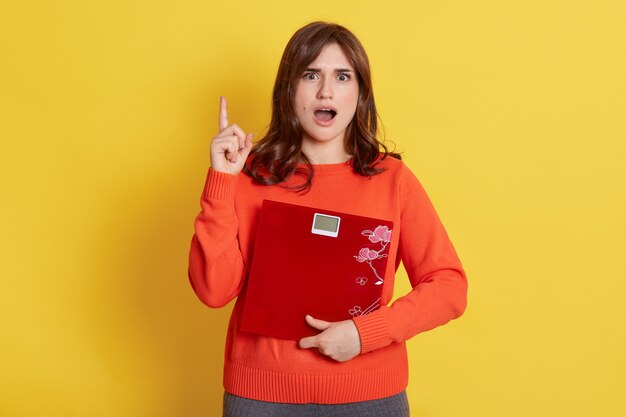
(310, 76)
(343, 77)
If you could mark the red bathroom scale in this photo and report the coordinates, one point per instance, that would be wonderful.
(327, 264)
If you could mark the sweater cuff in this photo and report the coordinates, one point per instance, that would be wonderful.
(219, 185)
(373, 330)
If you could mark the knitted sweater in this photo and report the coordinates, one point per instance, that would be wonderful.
(277, 370)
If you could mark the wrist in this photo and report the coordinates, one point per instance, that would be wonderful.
(219, 185)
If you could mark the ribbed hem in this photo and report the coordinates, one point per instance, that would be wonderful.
(219, 185)
(373, 330)
(265, 385)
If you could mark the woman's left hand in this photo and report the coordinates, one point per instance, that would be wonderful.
(338, 340)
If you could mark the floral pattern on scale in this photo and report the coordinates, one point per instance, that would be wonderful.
(381, 235)
(357, 311)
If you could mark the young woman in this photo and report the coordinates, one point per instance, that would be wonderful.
(322, 151)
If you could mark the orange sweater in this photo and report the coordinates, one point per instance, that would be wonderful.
(269, 369)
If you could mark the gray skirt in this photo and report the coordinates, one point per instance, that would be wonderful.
(394, 406)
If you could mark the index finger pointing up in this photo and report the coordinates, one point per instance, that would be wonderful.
(223, 114)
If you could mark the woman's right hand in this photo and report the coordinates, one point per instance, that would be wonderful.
(231, 147)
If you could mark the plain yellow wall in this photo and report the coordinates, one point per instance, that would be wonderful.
(512, 113)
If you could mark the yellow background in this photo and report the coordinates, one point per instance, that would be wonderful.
(512, 113)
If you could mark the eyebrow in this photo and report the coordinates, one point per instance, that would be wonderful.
(336, 70)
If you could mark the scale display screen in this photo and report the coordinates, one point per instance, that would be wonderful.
(325, 225)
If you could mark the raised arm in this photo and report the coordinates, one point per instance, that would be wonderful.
(216, 268)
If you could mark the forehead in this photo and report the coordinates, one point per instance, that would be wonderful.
(331, 56)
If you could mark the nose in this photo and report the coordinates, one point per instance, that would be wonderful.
(325, 90)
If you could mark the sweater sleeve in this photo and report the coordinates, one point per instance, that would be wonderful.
(435, 271)
(216, 267)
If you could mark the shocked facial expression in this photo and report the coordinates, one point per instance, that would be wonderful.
(326, 97)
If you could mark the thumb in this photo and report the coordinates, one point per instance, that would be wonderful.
(247, 145)
(318, 324)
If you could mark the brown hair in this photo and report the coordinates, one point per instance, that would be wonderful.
(275, 157)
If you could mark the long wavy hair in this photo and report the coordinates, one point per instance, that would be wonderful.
(276, 156)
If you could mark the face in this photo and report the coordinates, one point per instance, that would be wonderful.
(326, 98)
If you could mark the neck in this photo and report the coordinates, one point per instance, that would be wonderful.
(332, 152)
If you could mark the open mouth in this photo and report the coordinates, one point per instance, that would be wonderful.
(325, 115)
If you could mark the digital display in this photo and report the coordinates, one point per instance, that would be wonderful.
(326, 223)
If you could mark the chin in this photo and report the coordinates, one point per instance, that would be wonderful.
(324, 138)
(325, 135)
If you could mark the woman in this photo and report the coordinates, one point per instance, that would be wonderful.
(321, 150)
